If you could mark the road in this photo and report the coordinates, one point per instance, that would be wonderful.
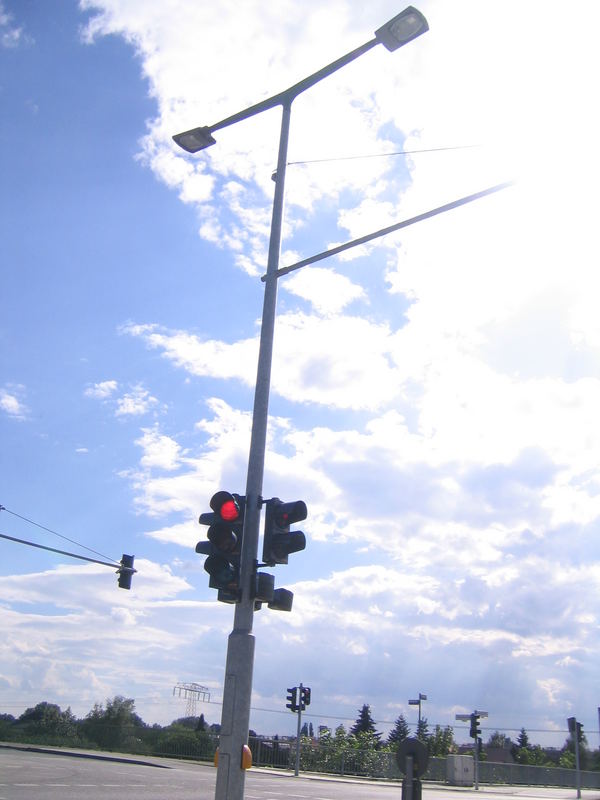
(28, 775)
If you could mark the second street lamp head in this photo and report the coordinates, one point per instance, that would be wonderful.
(194, 140)
(402, 29)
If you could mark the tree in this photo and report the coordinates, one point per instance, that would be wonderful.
(568, 752)
(520, 750)
(423, 729)
(114, 726)
(500, 740)
(364, 723)
(441, 741)
(46, 720)
(523, 740)
(399, 732)
(201, 726)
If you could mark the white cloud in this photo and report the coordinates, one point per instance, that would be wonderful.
(159, 450)
(11, 35)
(102, 390)
(11, 402)
(326, 290)
(135, 403)
(459, 476)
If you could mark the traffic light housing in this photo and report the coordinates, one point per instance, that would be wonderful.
(304, 697)
(224, 545)
(279, 541)
(475, 729)
(292, 698)
(125, 572)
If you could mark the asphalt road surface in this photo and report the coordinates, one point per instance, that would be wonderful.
(26, 775)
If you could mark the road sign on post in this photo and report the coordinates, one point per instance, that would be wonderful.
(412, 759)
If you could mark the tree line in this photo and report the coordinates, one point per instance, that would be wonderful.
(115, 725)
(440, 742)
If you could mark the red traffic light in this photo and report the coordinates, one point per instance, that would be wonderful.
(225, 506)
(286, 514)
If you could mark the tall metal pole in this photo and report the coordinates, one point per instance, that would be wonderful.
(577, 763)
(237, 690)
(298, 730)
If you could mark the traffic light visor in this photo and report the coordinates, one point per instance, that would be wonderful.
(287, 514)
(225, 506)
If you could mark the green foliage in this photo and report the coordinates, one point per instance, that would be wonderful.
(523, 740)
(441, 742)
(535, 756)
(45, 722)
(183, 742)
(567, 760)
(498, 739)
(115, 727)
(423, 729)
(365, 723)
(568, 752)
(399, 732)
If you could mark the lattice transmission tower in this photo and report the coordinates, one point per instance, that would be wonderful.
(191, 692)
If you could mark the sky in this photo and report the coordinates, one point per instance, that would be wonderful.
(434, 394)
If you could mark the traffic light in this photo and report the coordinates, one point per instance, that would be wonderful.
(580, 732)
(475, 729)
(223, 548)
(304, 697)
(278, 540)
(282, 600)
(125, 572)
(292, 698)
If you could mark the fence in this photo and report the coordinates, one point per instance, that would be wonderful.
(324, 758)
(382, 765)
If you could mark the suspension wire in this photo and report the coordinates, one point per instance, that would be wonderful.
(66, 538)
(383, 155)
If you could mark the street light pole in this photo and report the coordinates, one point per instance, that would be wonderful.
(237, 689)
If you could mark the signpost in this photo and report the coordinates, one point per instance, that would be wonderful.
(473, 719)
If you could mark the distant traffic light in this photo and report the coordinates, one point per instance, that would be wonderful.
(278, 540)
(125, 572)
(475, 729)
(304, 697)
(223, 548)
(292, 699)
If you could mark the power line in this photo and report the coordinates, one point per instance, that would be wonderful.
(383, 155)
(60, 535)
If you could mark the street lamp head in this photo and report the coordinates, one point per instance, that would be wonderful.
(402, 29)
(194, 140)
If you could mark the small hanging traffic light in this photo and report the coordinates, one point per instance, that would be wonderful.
(278, 540)
(223, 548)
(125, 572)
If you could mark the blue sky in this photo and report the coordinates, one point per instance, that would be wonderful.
(434, 394)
